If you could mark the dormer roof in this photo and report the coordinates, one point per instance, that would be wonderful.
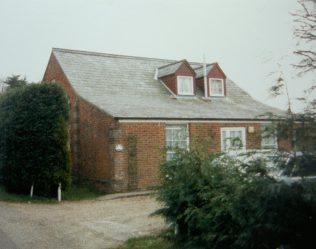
(200, 70)
(172, 68)
(169, 69)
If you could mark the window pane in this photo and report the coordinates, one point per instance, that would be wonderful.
(181, 87)
(176, 137)
(183, 144)
(168, 134)
(216, 87)
(176, 134)
(223, 138)
(169, 144)
(268, 137)
(185, 85)
(170, 155)
(233, 138)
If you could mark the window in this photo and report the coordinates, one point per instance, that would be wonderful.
(216, 87)
(185, 85)
(176, 137)
(233, 139)
(268, 137)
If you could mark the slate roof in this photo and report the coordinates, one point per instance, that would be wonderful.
(124, 87)
(200, 70)
(168, 69)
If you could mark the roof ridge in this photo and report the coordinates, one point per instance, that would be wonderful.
(209, 64)
(73, 51)
(84, 52)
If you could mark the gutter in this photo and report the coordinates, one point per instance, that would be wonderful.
(197, 120)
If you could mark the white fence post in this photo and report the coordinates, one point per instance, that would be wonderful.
(59, 192)
(31, 191)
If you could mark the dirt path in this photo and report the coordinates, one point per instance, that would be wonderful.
(88, 224)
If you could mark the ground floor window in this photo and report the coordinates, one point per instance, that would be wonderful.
(176, 137)
(268, 137)
(233, 138)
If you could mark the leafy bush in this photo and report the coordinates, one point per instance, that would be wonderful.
(34, 139)
(217, 202)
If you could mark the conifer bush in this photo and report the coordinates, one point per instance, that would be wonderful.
(34, 139)
(218, 202)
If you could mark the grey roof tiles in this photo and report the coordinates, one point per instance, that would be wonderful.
(125, 87)
(168, 69)
(200, 70)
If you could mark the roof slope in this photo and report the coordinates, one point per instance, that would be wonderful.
(124, 87)
(168, 69)
(200, 70)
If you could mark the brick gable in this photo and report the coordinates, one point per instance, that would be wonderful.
(184, 70)
(217, 72)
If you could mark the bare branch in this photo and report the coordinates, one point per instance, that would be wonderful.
(305, 31)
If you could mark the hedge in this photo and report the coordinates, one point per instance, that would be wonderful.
(34, 122)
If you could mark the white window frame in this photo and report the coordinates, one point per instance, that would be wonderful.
(210, 87)
(191, 88)
(170, 151)
(271, 146)
(243, 138)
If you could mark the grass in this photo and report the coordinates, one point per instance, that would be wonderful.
(5, 196)
(74, 193)
(81, 192)
(149, 242)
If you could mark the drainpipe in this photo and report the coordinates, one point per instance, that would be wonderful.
(205, 78)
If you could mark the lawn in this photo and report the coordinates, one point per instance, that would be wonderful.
(149, 242)
(74, 193)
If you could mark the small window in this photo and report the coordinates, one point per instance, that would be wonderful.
(233, 139)
(176, 137)
(185, 85)
(268, 137)
(216, 87)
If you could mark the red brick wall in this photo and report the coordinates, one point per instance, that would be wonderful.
(284, 144)
(54, 72)
(95, 142)
(171, 82)
(90, 139)
(150, 142)
(209, 134)
(215, 72)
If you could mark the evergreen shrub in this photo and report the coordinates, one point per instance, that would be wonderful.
(34, 139)
(218, 202)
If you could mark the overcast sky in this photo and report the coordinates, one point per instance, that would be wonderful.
(252, 40)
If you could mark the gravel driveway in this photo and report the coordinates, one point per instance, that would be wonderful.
(87, 224)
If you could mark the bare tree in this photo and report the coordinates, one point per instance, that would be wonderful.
(305, 31)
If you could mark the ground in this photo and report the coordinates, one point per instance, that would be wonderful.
(96, 224)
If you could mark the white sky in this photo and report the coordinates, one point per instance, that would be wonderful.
(251, 39)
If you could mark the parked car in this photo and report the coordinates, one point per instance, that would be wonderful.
(287, 166)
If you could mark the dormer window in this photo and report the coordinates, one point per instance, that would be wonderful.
(216, 87)
(185, 85)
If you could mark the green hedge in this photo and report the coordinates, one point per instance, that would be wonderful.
(216, 202)
(34, 139)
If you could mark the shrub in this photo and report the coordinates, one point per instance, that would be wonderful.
(217, 202)
(34, 135)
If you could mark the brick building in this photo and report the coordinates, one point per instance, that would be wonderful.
(125, 110)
